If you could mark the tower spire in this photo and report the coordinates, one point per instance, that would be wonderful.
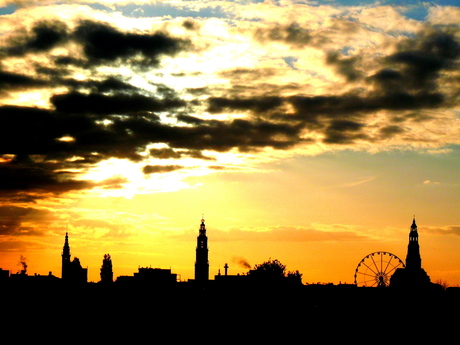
(202, 263)
(65, 257)
(413, 259)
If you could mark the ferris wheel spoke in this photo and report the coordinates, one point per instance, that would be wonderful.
(393, 269)
(372, 257)
(388, 264)
(370, 268)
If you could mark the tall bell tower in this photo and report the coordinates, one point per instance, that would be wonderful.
(413, 275)
(66, 258)
(413, 259)
(202, 263)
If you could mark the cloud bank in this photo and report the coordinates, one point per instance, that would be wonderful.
(80, 90)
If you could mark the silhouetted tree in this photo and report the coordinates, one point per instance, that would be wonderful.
(295, 276)
(106, 269)
(274, 271)
(271, 269)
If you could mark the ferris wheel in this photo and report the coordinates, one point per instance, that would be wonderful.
(376, 269)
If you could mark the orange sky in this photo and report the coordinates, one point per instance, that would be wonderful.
(307, 133)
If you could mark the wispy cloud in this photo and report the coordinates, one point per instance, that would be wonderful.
(447, 230)
(355, 183)
(318, 232)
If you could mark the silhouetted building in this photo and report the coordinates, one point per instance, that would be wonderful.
(202, 263)
(4, 275)
(230, 280)
(150, 276)
(22, 278)
(413, 275)
(106, 270)
(72, 271)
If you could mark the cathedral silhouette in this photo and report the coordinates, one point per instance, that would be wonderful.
(72, 271)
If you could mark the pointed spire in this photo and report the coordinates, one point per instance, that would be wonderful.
(65, 257)
(202, 226)
(413, 259)
(413, 235)
(66, 249)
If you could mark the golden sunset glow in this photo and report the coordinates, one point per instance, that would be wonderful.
(308, 132)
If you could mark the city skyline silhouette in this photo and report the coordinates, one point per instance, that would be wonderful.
(306, 132)
(379, 274)
(152, 300)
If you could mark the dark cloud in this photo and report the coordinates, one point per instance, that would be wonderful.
(343, 132)
(390, 131)
(245, 135)
(423, 59)
(38, 177)
(27, 181)
(418, 63)
(42, 37)
(191, 120)
(351, 104)
(100, 43)
(14, 81)
(220, 136)
(293, 34)
(407, 81)
(122, 104)
(165, 153)
(111, 84)
(256, 104)
(168, 153)
(190, 24)
(14, 218)
(28, 130)
(344, 65)
(154, 169)
(103, 43)
(339, 117)
(105, 116)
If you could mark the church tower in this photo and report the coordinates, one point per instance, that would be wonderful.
(72, 272)
(65, 258)
(413, 259)
(202, 263)
(413, 275)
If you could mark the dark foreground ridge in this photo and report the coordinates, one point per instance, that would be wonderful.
(260, 311)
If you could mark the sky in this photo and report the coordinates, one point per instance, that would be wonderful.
(311, 132)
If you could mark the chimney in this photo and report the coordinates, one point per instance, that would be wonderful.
(226, 269)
